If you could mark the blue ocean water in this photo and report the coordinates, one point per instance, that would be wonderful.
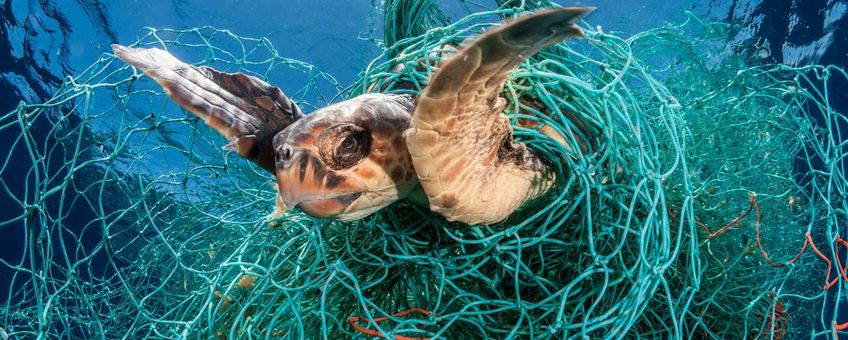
(45, 40)
(41, 42)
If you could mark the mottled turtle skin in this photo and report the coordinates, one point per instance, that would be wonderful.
(450, 149)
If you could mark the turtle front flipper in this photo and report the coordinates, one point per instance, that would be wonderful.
(245, 109)
(459, 139)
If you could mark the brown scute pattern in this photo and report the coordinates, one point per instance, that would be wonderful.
(348, 199)
(365, 172)
(245, 109)
(323, 175)
(304, 161)
(397, 172)
(460, 116)
(383, 175)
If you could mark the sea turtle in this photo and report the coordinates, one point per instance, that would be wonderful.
(451, 148)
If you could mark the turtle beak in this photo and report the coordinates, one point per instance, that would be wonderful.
(304, 181)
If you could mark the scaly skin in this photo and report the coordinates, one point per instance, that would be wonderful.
(461, 143)
(366, 181)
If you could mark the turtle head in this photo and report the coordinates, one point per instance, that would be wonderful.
(347, 160)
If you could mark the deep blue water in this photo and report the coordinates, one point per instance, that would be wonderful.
(43, 41)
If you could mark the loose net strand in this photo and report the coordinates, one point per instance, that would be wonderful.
(709, 203)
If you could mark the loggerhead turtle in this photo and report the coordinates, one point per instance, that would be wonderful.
(451, 148)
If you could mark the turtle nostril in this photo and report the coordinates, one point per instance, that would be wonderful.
(287, 153)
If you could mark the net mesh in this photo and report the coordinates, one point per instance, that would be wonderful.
(710, 205)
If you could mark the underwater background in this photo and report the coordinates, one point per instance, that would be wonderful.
(42, 43)
(46, 40)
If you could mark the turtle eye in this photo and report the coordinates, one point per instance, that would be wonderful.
(348, 144)
(344, 145)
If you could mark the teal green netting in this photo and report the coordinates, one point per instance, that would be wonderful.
(137, 224)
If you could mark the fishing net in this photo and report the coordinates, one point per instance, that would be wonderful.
(709, 204)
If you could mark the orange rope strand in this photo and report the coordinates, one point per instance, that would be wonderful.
(828, 282)
(353, 320)
(753, 198)
(722, 230)
(808, 240)
(839, 267)
(727, 226)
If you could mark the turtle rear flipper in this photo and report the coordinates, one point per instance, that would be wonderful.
(245, 109)
(461, 142)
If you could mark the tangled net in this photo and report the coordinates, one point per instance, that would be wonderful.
(711, 205)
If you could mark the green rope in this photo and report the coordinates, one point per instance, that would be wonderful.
(179, 245)
(409, 19)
